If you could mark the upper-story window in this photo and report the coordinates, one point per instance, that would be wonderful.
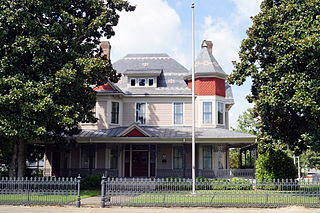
(220, 113)
(115, 112)
(178, 113)
(132, 82)
(207, 113)
(141, 113)
(142, 82)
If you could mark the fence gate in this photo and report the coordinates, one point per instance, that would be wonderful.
(209, 192)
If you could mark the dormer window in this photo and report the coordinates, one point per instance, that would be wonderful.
(133, 82)
(142, 82)
(150, 82)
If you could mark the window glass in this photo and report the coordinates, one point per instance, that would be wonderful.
(133, 82)
(207, 157)
(220, 113)
(207, 113)
(114, 157)
(115, 113)
(177, 157)
(142, 82)
(85, 155)
(141, 113)
(178, 113)
(150, 81)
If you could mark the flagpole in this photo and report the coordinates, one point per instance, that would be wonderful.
(193, 108)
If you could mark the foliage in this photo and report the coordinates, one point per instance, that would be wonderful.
(91, 182)
(282, 57)
(310, 159)
(234, 158)
(275, 164)
(248, 122)
(49, 62)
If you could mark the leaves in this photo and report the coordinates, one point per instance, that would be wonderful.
(282, 56)
(49, 62)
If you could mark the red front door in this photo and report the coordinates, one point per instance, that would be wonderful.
(140, 163)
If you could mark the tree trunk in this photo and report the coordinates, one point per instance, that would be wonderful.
(22, 155)
(13, 163)
(18, 162)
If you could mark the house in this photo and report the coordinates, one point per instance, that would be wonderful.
(144, 126)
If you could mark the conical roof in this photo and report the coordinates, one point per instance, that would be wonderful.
(206, 63)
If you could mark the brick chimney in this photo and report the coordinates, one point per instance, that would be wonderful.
(106, 49)
(208, 45)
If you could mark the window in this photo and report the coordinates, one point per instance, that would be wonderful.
(207, 113)
(141, 113)
(115, 112)
(178, 113)
(113, 158)
(142, 82)
(133, 82)
(220, 113)
(87, 153)
(177, 157)
(207, 157)
(150, 82)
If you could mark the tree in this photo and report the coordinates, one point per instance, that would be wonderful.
(248, 122)
(49, 62)
(282, 56)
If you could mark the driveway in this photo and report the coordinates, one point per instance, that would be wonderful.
(41, 209)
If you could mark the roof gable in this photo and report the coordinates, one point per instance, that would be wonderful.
(134, 131)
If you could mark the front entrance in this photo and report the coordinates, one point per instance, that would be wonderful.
(139, 160)
(140, 163)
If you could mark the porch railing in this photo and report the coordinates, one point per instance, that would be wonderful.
(208, 173)
(84, 172)
(209, 192)
(40, 191)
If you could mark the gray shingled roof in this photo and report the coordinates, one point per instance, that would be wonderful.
(206, 63)
(170, 81)
(167, 132)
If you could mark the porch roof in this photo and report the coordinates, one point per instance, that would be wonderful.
(169, 132)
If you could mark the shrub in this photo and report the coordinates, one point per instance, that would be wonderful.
(91, 182)
(275, 164)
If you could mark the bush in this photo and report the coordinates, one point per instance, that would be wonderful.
(275, 164)
(91, 182)
(232, 184)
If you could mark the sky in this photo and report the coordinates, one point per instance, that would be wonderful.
(164, 26)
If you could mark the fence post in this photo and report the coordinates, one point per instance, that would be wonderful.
(78, 202)
(103, 181)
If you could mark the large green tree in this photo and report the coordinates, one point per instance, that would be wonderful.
(49, 61)
(282, 57)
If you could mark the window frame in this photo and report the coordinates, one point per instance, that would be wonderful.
(153, 82)
(205, 157)
(174, 113)
(135, 82)
(207, 113)
(145, 82)
(145, 112)
(222, 113)
(118, 112)
(174, 158)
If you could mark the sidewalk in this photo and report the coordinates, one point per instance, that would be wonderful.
(41, 209)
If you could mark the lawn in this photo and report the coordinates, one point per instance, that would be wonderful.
(45, 198)
(224, 198)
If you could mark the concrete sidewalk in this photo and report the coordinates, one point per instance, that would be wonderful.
(42, 209)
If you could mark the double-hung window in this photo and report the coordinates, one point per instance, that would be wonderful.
(177, 157)
(220, 113)
(141, 113)
(207, 113)
(178, 113)
(207, 157)
(115, 112)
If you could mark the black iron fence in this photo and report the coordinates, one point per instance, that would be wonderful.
(235, 192)
(40, 191)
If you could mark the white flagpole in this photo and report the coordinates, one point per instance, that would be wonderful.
(193, 108)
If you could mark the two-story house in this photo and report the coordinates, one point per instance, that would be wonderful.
(144, 126)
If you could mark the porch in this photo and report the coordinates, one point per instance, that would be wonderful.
(143, 160)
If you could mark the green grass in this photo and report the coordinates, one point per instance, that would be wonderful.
(42, 198)
(224, 198)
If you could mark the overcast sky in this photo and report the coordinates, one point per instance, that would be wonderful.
(164, 26)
